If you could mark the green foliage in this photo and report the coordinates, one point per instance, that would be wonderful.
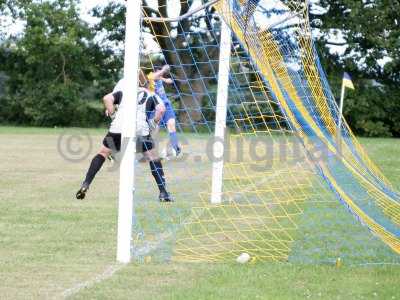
(371, 110)
(50, 67)
(371, 35)
(112, 20)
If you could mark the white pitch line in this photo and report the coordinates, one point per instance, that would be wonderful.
(109, 272)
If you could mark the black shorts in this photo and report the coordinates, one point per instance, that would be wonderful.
(144, 143)
(113, 141)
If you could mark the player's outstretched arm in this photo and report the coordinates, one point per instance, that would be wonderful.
(159, 75)
(167, 80)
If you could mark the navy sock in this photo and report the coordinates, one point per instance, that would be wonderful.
(158, 174)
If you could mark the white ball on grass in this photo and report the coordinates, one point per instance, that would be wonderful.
(243, 258)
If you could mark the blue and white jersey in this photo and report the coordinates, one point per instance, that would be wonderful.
(160, 91)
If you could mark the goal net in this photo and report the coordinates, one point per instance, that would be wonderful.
(296, 184)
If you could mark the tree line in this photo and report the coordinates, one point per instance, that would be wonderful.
(53, 72)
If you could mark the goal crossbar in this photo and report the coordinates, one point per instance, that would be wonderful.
(206, 5)
(184, 16)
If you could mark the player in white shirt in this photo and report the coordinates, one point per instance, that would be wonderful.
(148, 104)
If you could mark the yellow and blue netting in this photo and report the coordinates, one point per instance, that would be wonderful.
(318, 198)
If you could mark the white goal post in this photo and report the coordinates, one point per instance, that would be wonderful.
(221, 111)
(128, 145)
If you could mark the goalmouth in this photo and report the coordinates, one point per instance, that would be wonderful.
(266, 87)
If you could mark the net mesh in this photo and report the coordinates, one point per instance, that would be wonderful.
(295, 186)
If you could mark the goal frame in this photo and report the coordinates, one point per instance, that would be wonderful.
(127, 167)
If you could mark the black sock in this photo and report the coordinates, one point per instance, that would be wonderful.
(95, 166)
(158, 174)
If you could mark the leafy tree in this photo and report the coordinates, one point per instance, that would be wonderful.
(371, 36)
(50, 66)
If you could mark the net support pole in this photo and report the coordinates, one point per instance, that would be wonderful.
(128, 107)
(221, 111)
(339, 129)
(342, 94)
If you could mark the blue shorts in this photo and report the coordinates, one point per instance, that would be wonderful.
(169, 113)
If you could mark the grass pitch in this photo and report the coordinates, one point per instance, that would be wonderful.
(52, 246)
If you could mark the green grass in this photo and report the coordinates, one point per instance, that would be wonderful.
(259, 281)
(50, 243)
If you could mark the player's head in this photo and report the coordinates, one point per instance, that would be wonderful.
(143, 80)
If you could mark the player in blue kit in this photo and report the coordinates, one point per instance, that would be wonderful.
(156, 85)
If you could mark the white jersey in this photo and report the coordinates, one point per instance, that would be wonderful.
(116, 124)
(146, 103)
(119, 87)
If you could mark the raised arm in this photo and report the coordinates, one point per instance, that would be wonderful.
(159, 75)
(167, 80)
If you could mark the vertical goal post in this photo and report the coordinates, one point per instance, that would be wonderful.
(127, 169)
(221, 111)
